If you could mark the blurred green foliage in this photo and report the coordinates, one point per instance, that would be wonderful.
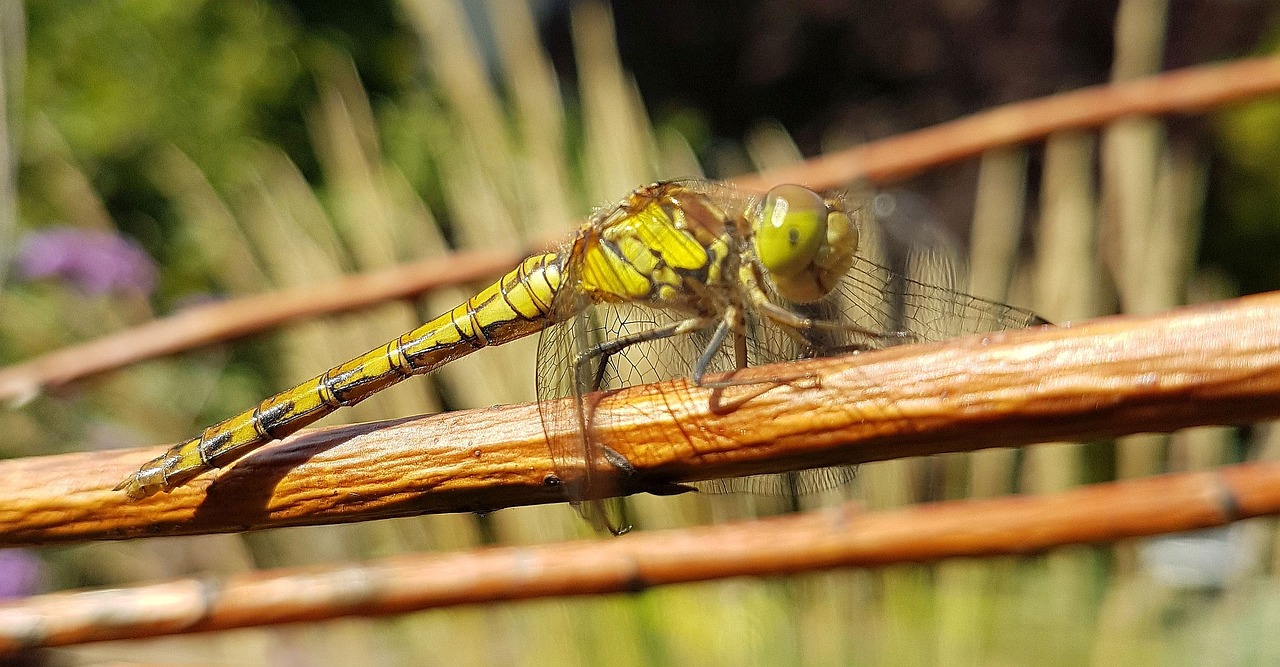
(109, 85)
(118, 78)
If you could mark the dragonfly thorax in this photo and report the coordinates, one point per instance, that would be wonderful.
(803, 243)
(656, 248)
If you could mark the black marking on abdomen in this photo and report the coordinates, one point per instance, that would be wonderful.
(272, 418)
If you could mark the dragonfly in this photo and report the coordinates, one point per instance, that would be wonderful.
(680, 278)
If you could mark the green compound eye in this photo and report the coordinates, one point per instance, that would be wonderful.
(804, 244)
(791, 227)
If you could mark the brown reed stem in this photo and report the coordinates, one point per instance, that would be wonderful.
(842, 536)
(1212, 364)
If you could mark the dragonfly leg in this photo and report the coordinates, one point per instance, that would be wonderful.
(717, 340)
(604, 350)
(793, 323)
(740, 357)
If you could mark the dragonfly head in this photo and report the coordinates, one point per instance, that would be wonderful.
(803, 242)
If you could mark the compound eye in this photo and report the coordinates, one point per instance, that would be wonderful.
(791, 228)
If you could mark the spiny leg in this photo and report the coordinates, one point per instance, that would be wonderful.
(713, 346)
(794, 323)
(603, 351)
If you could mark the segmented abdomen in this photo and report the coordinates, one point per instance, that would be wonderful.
(513, 307)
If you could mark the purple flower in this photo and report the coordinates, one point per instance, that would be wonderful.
(20, 573)
(96, 262)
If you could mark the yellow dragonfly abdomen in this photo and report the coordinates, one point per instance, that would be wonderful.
(513, 307)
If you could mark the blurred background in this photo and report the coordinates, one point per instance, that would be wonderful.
(160, 155)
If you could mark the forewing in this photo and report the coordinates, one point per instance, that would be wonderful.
(563, 389)
(902, 287)
(896, 309)
(872, 307)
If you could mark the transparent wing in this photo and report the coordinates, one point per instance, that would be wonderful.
(902, 286)
(873, 307)
(571, 368)
(569, 371)
(562, 391)
(899, 310)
